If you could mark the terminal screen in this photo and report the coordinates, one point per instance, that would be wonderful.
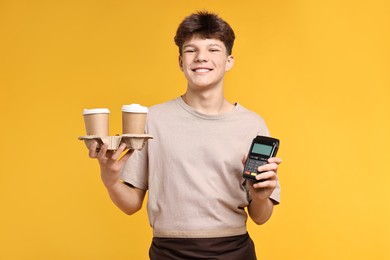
(262, 149)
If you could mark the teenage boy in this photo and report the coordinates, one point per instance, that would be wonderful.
(193, 166)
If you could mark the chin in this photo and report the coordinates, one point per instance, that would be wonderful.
(201, 86)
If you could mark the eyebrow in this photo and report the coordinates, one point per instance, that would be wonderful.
(210, 45)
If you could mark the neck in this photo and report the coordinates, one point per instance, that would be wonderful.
(210, 102)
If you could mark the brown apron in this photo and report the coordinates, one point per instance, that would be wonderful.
(222, 248)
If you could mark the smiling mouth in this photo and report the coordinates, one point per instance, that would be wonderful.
(201, 70)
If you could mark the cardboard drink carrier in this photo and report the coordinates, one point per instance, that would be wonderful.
(132, 141)
(96, 124)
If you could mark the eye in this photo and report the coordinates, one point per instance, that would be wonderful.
(215, 50)
(189, 51)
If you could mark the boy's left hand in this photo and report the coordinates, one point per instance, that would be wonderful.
(268, 180)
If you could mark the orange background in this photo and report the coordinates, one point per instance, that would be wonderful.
(317, 71)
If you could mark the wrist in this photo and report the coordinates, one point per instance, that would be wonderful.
(111, 184)
(260, 201)
(260, 210)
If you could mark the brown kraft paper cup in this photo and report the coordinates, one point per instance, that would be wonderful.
(134, 119)
(97, 121)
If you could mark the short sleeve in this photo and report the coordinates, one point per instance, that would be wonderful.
(275, 196)
(135, 171)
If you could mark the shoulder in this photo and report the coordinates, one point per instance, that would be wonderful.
(253, 118)
(162, 107)
(163, 112)
(248, 114)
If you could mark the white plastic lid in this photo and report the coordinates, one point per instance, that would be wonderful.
(96, 111)
(134, 108)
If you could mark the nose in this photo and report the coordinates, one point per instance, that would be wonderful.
(201, 56)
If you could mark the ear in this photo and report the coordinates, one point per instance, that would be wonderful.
(180, 63)
(229, 63)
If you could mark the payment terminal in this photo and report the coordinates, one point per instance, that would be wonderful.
(262, 148)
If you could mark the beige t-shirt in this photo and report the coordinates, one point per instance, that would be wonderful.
(192, 170)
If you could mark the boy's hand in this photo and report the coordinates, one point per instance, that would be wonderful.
(109, 161)
(268, 179)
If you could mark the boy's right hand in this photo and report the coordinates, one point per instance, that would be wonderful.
(109, 161)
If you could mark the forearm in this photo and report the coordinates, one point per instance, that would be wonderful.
(260, 210)
(127, 199)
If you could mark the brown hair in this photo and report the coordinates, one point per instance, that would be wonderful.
(205, 25)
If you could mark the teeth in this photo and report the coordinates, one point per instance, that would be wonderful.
(202, 70)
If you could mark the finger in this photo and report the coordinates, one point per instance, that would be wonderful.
(265, 184)
(103, 151)
(92, 150)
(118, 152)
(270, 175)
(268, 167)
(276, 160)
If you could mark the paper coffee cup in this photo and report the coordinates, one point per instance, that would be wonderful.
(134, 119)
(96, 121)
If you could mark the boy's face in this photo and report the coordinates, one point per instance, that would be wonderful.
(204, 62)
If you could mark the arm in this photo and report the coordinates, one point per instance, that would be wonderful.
(261, 207)
(126, 198)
